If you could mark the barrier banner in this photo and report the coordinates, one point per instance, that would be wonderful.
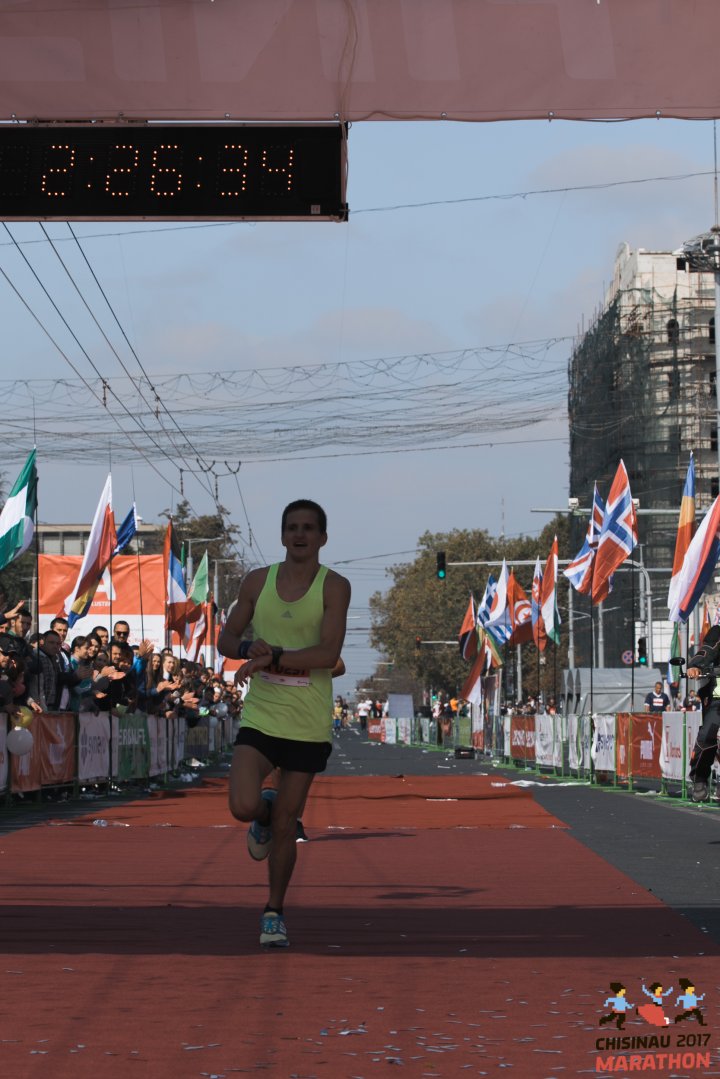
(544, 740)
(388, 728)
(603, 743)
(622, 744)
(675, 727)
(197, 740)
(157, 731)
(522, 738)
(404, 731)
(478, 738)
(130, 747)
(3, 753)
(25, 770)
(646, 742)
(507, 724)
(578, 736)
(55, 738)
(93, 746)
(374, 729)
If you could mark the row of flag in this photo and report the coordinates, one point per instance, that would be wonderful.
(187, 606)
(506, 616)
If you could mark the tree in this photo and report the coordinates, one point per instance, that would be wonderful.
(418, 605)
(221, 547)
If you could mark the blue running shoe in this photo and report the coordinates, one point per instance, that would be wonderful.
(259, 837)
(273, 932)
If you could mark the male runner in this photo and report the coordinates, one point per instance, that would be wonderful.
(298, 611)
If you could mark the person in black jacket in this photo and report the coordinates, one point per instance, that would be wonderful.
(702, 665)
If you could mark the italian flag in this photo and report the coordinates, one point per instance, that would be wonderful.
(17, 520)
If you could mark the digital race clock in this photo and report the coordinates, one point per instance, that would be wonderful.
(172, 172)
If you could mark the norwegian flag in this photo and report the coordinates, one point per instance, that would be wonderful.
(618, 535)
(580, 571)
(520, 612)
(539, 635)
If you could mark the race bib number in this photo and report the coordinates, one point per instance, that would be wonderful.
(285, 677)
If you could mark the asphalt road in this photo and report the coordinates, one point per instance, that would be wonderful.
(671, 849)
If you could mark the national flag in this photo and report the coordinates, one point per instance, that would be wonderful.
(489, 647)
(539, 635)
(580, 571)
(467, 638)
(17, 520)
(498, 620)
(618, 535)
(699, 564)
(196, 634)
(98, 552)
(550, 613)
(175, 587)
(219, 657)
(196, 600)
(520, 612)
(472, 687)
(127, 530)
(673, 671)
(686, 527)
(706, 620)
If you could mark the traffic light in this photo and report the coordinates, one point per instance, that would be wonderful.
(642, 651)
(440, 571)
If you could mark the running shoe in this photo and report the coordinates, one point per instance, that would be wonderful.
(259, 837)
(273, 932)
(300, 833)
(699, 791)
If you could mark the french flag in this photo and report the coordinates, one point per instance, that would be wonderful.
(698, 565)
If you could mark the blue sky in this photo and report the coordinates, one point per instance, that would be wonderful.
(392, 282)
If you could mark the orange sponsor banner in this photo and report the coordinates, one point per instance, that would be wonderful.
(121, 585)
(622, 745)
(51, 761)
(522, 738)
(55, 735)
(131, 588)
(646, 745)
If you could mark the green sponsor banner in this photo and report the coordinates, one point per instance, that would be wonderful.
(133, 747)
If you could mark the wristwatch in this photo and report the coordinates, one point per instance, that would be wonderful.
(276, 654)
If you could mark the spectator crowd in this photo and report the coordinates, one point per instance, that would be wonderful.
(49, 671)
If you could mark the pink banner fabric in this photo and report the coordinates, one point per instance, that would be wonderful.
(361, 59)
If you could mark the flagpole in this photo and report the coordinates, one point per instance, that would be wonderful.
(36, 611)
(632, 610)
(592, 651)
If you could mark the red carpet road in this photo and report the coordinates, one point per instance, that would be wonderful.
(440, 926)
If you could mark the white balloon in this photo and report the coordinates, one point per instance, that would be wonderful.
(212, 721)
(19, 741)
(221, 709)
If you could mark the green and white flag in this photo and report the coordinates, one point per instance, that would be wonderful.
(17, 520)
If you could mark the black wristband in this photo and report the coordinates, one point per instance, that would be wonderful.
(244, 649)
(276, 653)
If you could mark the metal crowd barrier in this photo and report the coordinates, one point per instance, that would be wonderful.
(71, 749)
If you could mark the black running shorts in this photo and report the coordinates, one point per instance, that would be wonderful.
(286, 753)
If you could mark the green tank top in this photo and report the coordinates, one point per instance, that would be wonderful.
(290, 704)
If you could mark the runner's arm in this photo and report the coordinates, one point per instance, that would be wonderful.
(240, 615)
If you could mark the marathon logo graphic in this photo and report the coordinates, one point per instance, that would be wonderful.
(130, 736)
(658, 1006)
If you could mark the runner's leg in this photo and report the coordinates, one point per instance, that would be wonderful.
(292, 792)
(247, 772)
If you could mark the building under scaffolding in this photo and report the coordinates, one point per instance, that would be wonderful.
(642, 388)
